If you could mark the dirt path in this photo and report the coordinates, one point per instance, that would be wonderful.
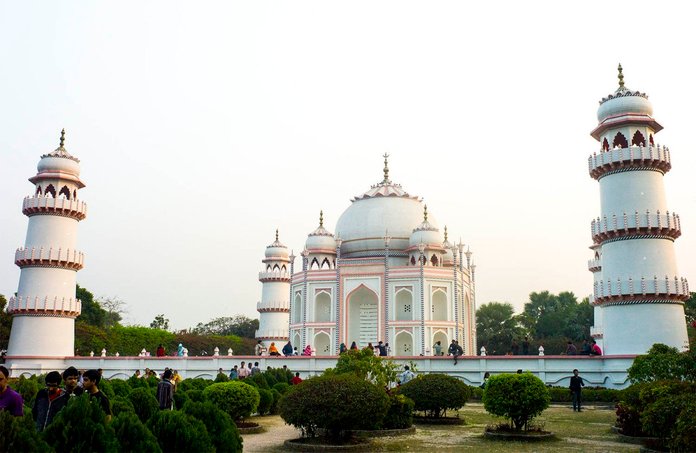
(272, 439)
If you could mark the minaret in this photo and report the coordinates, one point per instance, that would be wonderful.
(45, 308)
(638, 292)
(274, 306)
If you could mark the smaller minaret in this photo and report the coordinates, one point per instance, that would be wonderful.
(274, 306)
(45, 308)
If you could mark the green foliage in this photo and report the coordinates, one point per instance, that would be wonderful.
(5, 323)
(336, 403)
(89, 338)
(258, 380)
(195, 395)
(193, 384)
(135, 382)
(222, 377)
(364, 364)
(589, 394)
(496, 327)
(265, 401)
(433, 394)
(81, 427)
(278, 375)
(132, 339)
(282, 387)
(220, 426)
(119, 386)
(663, 363)
(27, 388)
(19, 434)
(236, 398)
(132, 435)
(661, 416)
(240, 325)
(122, 404)
(144, 403)
(160, 322)
(517, 397)
(106, 388)
(400, 413)
(683, 436)
(180, 398)
(92, 313)
(177, 431)
(276, 399)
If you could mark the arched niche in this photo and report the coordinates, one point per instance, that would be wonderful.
(362, 316)
(322, 307)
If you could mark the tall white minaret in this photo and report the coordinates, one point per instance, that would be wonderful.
(638, 292)
(274, 306)
(45, 308)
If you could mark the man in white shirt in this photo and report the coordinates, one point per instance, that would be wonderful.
(406, 376)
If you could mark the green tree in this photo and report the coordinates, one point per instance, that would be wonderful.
(178, 432)
(133, 435)
(81, 427)
(364, 364)
(19, 434)
(497, 326)
(160, 322)
(663, 362)
(239, 325)
(114, 308)
(690, 310)
(517, 397)
(5, 323)
(92, 313)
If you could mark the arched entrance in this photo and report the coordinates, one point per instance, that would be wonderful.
(442, 338)
(362, 317)
(404, 344)
(296, 342)
(322, 344)
(322, 307)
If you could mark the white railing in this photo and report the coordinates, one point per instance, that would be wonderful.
(271, 333)
(272, 305)
(646, 155)
(24, 256)
(594, 264)
(35, 204)
(637, 220)
(45, 304)
(671, 286)
(274, 275)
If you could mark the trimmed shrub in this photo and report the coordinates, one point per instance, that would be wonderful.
(335, 403)
(629, 409)
(400, 413)
(81, 427)
(144, 403)
(265, 401)
(236, 398)
(433, 394)
(122, 404)
(276, 375)
(134, 382)
(180, 398)
(106, 388)
(517, 397)
(132, 435)
(177, 431)
(222, 377)
(663, 363)
(27, 388)
(119, 386)
(195, 395)
(276, 399)
(19, 434)
(259, 380)
(222, 430)
(684, 432)
(193, 384)
(282, 387)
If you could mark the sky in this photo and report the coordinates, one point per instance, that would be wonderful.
(203, 126)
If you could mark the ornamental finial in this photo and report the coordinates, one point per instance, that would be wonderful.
(425, 213)
(445, 233)
(321, 218)
(386, 169)
(62, 138)
(621, 77)
(276, 234)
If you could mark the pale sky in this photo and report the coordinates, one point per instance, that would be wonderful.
(203, 126)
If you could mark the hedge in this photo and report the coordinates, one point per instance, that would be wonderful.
(434, 394)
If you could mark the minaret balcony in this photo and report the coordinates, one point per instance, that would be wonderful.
(594, 265)
(634, 157)
(643, 290)
(635, 224)
(36, 306)
(274, 276)
(272, 306)
(271, 334)
(75, 209)
(51, 257)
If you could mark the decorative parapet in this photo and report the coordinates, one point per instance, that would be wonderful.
(278, 276)
(68, 308)
(647, 223)
(645, 290)
(271, 334)
(42, 257)
(594, 265)
(273, 306)
(38, 205)
(631, 158)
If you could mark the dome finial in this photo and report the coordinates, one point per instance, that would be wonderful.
(62, 138)
(445, 233)
(386, 169)
(425, 213)
(276, 234)
(621, 77)
(321, 218)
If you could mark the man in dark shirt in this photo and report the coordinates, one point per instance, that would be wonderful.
(48, 401)
(165, 391)
(71, 378)
(382, 349)
(90, 381)
(576, 385)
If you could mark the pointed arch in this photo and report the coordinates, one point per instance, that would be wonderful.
(439, 305)
(296, 340)
(283, 268)
(268, 268)
(315, 264)
(64, 192)
(326, 264)
(297, 308)
(38, 190)
(441, 336)
(620, 141)
(638, 139)
(322, 344)
(404, 344)
(652, 141)
(404, 304)
(50, 190)
(413, 260)
(322, 306)
(276, 268)
(433, 260)
(605, 144)
(362, 312)
(74, 194)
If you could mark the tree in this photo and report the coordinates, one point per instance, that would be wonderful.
(517, 397)
(92, 313)
(364, 364)
(114, 308)
(160, 322)
(690, 310)
(5, 323)
(239, 325)
(497, 326)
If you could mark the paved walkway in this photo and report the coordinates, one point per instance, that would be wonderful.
(272, 439)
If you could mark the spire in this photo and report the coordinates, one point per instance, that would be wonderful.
(425, 213)
(276, 234)
(321, 219)
(621, 82)
(386, 169)
(62, 138)
(445, 233)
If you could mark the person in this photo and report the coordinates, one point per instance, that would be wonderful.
(486, 376)
(571, 349)
(386, 345)
(243, 371)
(437, 349)
(515, 348)
(137, 374)
(233, 373)
(370, 347)
(525, 346)
(259, 349)
(519, 371)
(70, 381)
(576, 385)
(176, 378)
(353, 346)
(10, 400)
(90, 381)
(255, 369)
(342, 348)
(382, 349)
(455, 350)
(180, 350)
(165, 391)
(294, 351)
(406, 376)
(287, 349)
(595, 350)
(160, 350)
(296, 380)
(307, 350)
(48, 402)
(220, 372)
(273, 350)
(586, 348)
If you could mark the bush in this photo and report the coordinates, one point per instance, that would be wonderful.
(122, 404)
(589, 394)
(276, 375)
(236, 398)
(276, 399)
(265, 401)
(177, 431)
(119, 386)
(433, 394)
(259, 380)
(684, 432)
(27, 388)
(194, 384)
(660, 417)
(336, 403)
(517, 397)
(220, 426)
(135, 382)
(282, 387)
(144, 403)
(195, 395)
(180, 398)
(663, 363)
(222, 377)
(364, 364)
(629, 409)
(106, 388)
(19, 434)
(132, 435)
(400, 413)
(81, 427)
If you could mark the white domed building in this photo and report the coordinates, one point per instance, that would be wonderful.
(387, 274)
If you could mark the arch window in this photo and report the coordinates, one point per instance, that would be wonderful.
(276, 268)
(326, 264)
(284, 269)
(268, 268)
(64, 193)
(50, 190)
(638, 139)
(74, 194)
(404, 305)
(404, 344)
(38, 190)
(413, 260)
(315, 264)
(439, 305)
(434, 260)
(297, 309)
(322, 307)
(605, 144)
(322, 344)
(652, 141)
(620, 141)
